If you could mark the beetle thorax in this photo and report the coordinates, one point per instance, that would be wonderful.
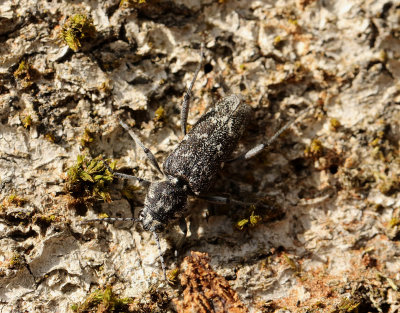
(165, 200)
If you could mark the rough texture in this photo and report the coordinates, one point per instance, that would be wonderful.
(335, 174)
(204, 290)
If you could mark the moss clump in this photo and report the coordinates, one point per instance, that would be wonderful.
(347, 305)
(389, 185)
(13, 200)
(251, 221)
(87, 137)
(129, 191)
(131, 3)
(395, 221)
(26, 74)
(17, 261)
(315, 150)
(89, 179)
(77, 29)
(292, 264)
(334, 124)
(172, 276)
(27, 121)
(50, 137)
(103, 301)
(159, 115)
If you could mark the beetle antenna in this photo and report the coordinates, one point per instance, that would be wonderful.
(160, 254)
(112, 220)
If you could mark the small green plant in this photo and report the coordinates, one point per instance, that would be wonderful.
(334, 124)
(347, 305)
(89, 178)
(292, 264)
(87, 137)
(159, 115)
(173, 276)
(251, 221)
(17, 261)
(315, 150)
(25, 74)
(27, 121)
(76, 29)
(131, 3)
(13, 200)
(103, 301)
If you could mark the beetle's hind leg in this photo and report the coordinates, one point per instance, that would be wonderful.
(260, 147)
(223, 200)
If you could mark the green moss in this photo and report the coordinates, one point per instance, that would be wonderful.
(159, 115)
(278, 42)
(292, 264)
(50, 137)
(347, 305)
(334, 124)
(131, 3)
(27, 121)
(89, 178)
(103, 301)
(129, 192)
(251, 221)
(375, 142)
(172, 276)
(17, 261)
(76, 29)
(26, 74)
(87, 138)
(13, 200)
(241, 224)
(395, 221)
(315, 150)
(389, 185)
(254, 219)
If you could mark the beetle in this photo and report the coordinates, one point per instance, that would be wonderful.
(191, 168)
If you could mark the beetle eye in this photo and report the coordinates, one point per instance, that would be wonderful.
(141, 215)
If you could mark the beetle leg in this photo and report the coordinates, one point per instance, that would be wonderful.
(186, 97)
(160, 254)
(143, 182)
(223, 200)
(183, 226)
(260, 147)
(149, 154)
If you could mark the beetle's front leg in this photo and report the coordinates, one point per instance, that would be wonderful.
(142, 181)
(150, 156)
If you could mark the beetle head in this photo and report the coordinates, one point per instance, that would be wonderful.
(164, 202)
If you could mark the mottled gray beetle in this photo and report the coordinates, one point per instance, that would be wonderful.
(191, 168)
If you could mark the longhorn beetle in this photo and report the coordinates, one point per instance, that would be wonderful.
(191, 168)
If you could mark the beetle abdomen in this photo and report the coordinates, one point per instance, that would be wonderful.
(211, 141)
